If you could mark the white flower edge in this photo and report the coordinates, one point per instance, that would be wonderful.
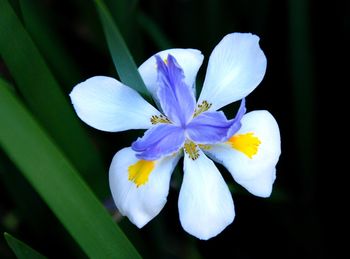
(190, 60)
(106, 104)
(205, 202)
(236, 67)
(140, 204)
(256, 174)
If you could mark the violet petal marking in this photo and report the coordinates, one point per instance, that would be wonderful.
(208, 128)
(236, 122)
(159, 141)
(176, 98)
(213, 127)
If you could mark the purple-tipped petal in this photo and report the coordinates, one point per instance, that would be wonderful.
(159, 141)
(208, 128)
(213, 127)
(189, 60)
(175, 97)
(236, 122)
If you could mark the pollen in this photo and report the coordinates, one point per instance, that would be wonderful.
(155, 119)
(245, 143)
(191, 150)
(204, 147)
(140, 171)
(204, 106)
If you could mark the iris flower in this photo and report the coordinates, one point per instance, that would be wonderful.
(247, 145)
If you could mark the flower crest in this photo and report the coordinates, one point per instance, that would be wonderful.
(247, 145)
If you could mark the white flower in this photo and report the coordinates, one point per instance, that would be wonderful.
(248, 145)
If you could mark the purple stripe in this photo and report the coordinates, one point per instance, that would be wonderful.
(213, 127)
(175, 97)
(159, 141)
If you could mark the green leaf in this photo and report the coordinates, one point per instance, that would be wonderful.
(22, 250)
(37, 22)
(57, 182)
(45, 99)
(124, 13)
(154, 31)
(123, 61)
(21, 195)
(302, 71)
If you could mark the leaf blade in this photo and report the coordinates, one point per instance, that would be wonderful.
(37, 23)
(58, 183)
(21, 249)
(151, 28)
(45, 99)
(122, 59)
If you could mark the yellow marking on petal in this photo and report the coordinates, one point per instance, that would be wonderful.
(204, 106)
(155, 119)
(245, 143)
(140, 171)
(191, 150)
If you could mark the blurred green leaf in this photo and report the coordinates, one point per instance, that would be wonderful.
(153, 30)
(22, 250)
(43, 96)
(57, 182)
(26, 203)
(301, 68)
(302, 79)
(124, 13)
(123, 61)
(30, 211)
(121, 10)
(37, 23)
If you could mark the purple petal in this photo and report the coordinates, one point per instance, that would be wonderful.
(208, 128)
(159, 141)
(176, 98)
(213, 127)
(236, 122)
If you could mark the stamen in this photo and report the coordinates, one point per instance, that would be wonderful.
(245, 143)
(204, 147)
(204, 106)
(155, 119)
(191, 150)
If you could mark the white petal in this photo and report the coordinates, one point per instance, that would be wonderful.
(143, 203)
(236, 66)
(205, 202)
(106, 104)
(256, 174)
(190, 61)
(261, 184)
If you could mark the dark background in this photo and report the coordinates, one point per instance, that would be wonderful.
(299, 38)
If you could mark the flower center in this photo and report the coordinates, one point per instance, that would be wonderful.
(203, 107)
